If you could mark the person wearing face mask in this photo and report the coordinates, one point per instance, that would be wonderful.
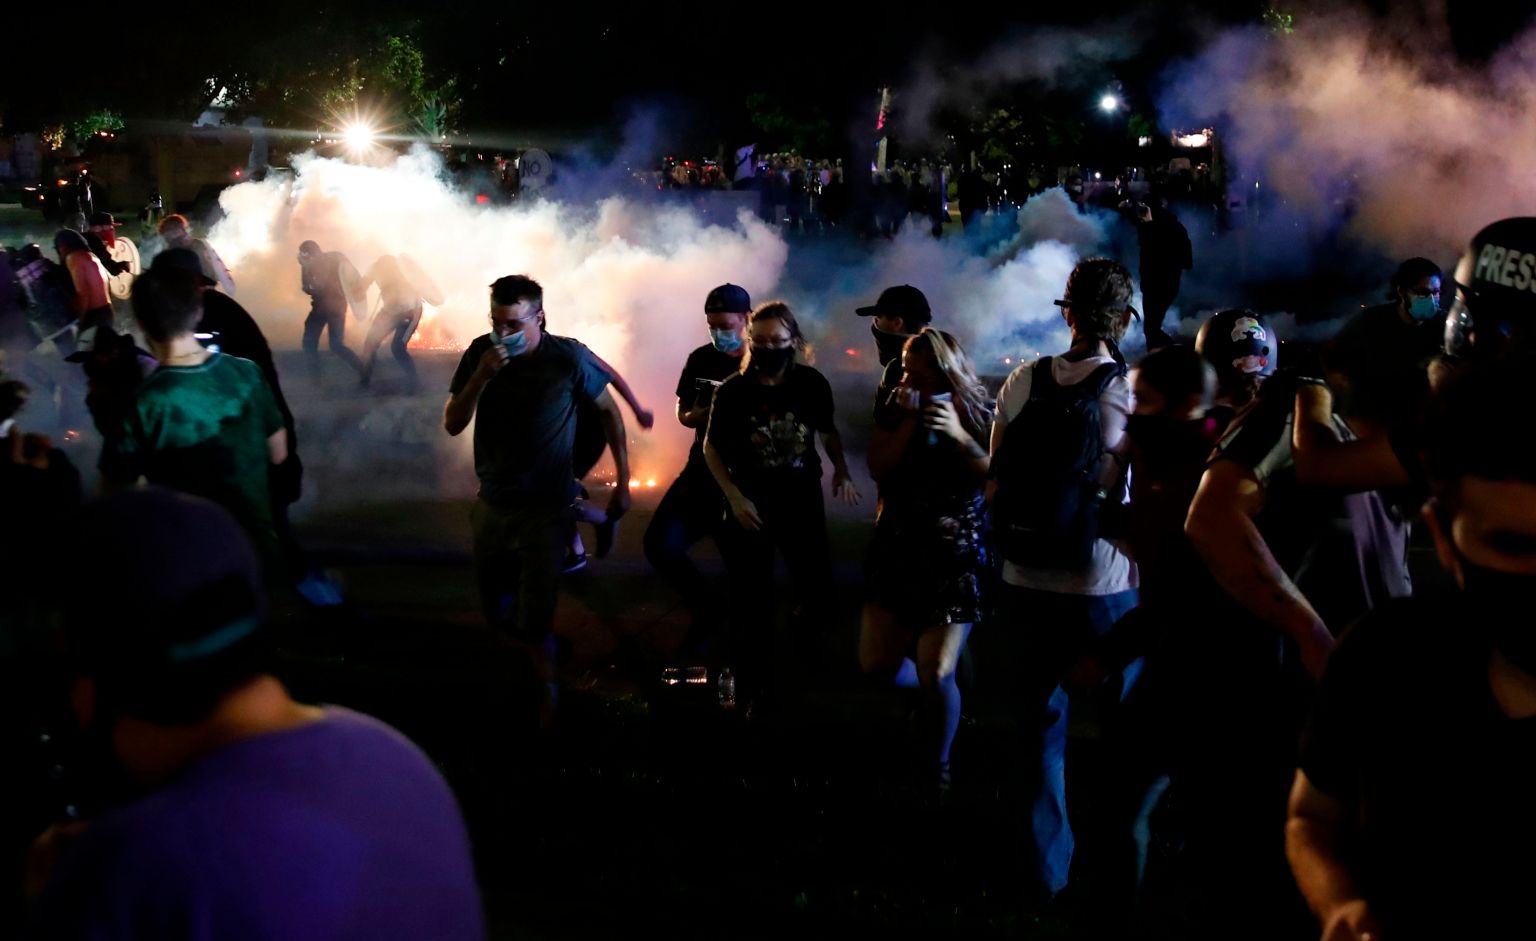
(928, 563)
(1411, 813)
(1292, 565)
(693, 507)
(1379, 358)
(522, 388)
(900, 313)
(760, 446)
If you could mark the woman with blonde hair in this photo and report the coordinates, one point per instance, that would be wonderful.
(927, 565)
(761, 448)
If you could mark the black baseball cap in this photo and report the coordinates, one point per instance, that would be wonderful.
(728, 299)
(103, 219)
(904, 301)
(181, 259)
(179, 612)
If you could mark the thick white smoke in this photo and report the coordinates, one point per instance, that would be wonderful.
(1406, 148)
(626, 277)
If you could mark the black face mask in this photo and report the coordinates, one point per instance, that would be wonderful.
(1503, 600)
(770, 361)
(889, 345)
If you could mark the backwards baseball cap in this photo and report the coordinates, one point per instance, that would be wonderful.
(904, 301)
(728, 299)
(1495, 281)
(177, 619)
(181, 259)
(1098, 283)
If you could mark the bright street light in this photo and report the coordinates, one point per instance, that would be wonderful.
(1109, 103)
(359, 137)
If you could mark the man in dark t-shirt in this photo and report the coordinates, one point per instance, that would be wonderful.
(1412, 813)
(522, 387)
(693, 507)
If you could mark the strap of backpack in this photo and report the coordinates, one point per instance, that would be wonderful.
(1041, 382)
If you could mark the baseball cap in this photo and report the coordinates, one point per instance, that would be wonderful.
(728, 299)
(904, 301)
(179, 611)
(103, 219)
(181, 259)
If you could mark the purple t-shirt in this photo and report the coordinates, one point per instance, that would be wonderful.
(340, 829)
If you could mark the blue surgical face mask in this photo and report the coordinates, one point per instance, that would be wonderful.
(726, 341)
(1423, 308)
(516, 343)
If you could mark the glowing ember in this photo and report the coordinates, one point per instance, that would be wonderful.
(851, 352)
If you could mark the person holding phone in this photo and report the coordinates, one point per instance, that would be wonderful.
(926, 571)
(761, 448)
(693, 507)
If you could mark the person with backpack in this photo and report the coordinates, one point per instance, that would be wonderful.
(1059, 456)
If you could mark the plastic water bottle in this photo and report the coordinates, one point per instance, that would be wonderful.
(933, 436)
(727, 688)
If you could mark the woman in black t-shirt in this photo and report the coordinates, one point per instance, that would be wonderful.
(928, 561)
(761, 450)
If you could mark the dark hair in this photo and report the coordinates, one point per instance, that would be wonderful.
(1466, 432)
(1099, 291)
(1411, 272)
(69, 238)
(514, 288)
(778, 310)
(1178, 372)
(309, 247)
(167, 303)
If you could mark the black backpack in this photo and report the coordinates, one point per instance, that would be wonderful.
(1045, 512)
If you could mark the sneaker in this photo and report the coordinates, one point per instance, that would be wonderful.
(573, 563)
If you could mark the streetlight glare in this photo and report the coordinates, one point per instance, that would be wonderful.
(359, 137)
(1109, 103)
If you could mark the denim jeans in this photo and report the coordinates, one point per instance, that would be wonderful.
(1042, 634)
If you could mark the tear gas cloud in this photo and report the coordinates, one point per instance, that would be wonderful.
(626, 276)
(1355, 130)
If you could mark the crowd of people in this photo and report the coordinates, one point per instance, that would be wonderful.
(1209, 548)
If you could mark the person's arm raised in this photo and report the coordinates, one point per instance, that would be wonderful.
(461, 405)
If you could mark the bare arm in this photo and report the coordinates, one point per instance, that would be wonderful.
(1313, 837)
(618, 445)
(744, 510)
(1221, 528)
(461, 405)
(277, 446)
(643, 415)
(1322, 460)
(842, 480)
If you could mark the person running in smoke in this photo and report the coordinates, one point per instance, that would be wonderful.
(1059, 456)
(1165, 256)
(760, 446)
(327, 277)
(927, 565)
(177, 233)
(1294, 564)
(522, 387)
(403, 288)
(693, 506)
